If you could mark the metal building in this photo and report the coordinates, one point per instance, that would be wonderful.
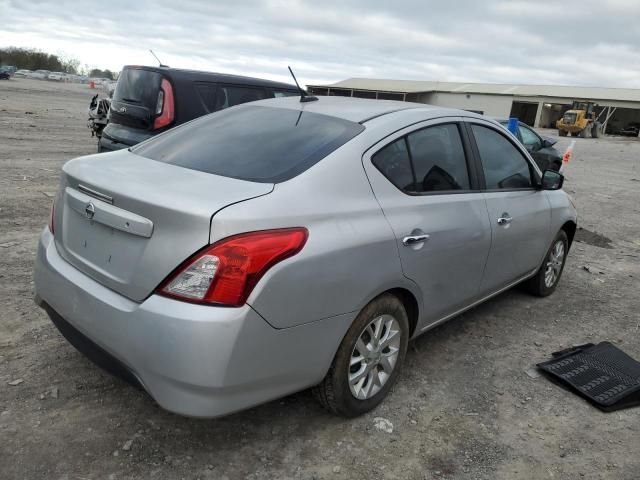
(536, 105)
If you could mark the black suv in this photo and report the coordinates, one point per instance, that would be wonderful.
(150, 100)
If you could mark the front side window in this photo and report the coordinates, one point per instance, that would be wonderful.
(438, 159)
(503, 164)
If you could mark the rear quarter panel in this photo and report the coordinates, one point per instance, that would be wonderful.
(350, 256)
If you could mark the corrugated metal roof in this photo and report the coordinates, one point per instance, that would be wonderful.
(416, 86)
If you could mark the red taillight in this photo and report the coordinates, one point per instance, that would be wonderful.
(165, 108)
(53, 211)
(226, 272)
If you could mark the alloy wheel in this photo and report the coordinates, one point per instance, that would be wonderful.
(374, 356)
(554, 264)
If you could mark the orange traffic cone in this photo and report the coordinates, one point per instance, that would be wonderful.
(566, 158)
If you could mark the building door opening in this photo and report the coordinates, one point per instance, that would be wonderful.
(525, 112)
(551, 113)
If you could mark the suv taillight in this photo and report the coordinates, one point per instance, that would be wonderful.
(165, 107)
(226, 272)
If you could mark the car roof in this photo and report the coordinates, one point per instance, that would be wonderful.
(195, 75)
(360, 110)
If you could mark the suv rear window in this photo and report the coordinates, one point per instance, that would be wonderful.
(259, 144)
(138, 86)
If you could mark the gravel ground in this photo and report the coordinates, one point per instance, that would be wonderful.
(464, 407)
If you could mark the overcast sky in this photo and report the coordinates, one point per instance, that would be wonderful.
(572, 42)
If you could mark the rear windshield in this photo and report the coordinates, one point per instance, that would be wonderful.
(138, 87)
(259, 144)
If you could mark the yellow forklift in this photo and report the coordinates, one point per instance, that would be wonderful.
(580, 121)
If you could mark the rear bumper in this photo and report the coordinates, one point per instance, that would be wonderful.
(193, 360)
(108, 145)
(116, 137)
(90, 349)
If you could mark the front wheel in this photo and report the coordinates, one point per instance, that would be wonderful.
(368, 360)
(546, 280)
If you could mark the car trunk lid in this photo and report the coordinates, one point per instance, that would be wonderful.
(128, 221)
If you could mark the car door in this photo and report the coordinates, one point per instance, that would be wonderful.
(519, 213)
(429, 195)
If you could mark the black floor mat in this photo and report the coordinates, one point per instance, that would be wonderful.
(602, 373)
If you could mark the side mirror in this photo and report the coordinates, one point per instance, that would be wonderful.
(548, 142)
(551, 180)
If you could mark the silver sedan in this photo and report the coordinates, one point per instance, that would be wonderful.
(282, 245)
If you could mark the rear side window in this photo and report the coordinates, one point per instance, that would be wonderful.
(260, 144)
(425, 161)
(394, 163)
(285, 93)
(438, 159)
(207, 93)
(228, 96)
(503, 165)
(138, 86)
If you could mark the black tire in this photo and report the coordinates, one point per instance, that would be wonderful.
(537, 285)
(595, 130)
(334, 392)
(562, 133)
(584, 133)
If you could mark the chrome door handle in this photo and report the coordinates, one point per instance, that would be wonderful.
(504, 220)
(414, 239)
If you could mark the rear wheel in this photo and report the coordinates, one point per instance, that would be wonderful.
(595, 130)
(583, 133)
(545, 281)
(562, 133)
(368, 361)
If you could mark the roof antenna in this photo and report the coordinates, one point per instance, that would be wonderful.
(303, 95)
(156, 57)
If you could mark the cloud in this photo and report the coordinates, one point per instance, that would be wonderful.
(574, 42)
